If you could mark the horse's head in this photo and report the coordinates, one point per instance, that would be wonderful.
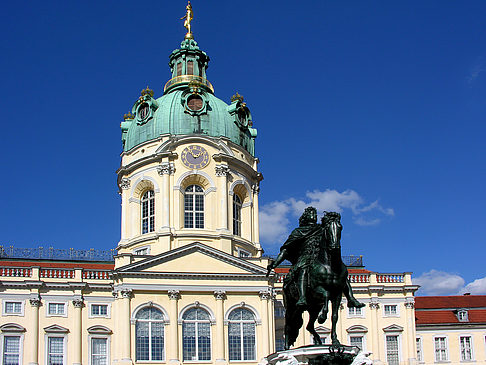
(332, 230)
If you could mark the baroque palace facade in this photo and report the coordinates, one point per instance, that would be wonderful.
(188, 282)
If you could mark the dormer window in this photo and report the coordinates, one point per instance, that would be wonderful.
(462, 315)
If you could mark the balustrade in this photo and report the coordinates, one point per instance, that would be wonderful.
(57, 273)
(16, 272)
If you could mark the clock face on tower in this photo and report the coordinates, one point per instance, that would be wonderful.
(195, 157)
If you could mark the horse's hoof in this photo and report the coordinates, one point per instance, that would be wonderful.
(355, 304)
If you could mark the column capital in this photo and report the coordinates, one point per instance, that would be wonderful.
(78, 302)
(374, 303)
(174, 294)
(125, 183)
(220, 294)
(35, 302)
(255, 188)
(265, 294)
(126, 293)
(410, 303)
(166, 168)
(222, 170)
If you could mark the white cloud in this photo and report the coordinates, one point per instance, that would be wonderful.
(275, 221)
(437, 282)
(475, 71)
(478, 286)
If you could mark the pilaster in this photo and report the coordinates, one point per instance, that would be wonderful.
(220, 296)
(173, 350)
(222, 172)
(166, 169)
(125, 328)
(265, 296)
(35, 303)
(77, 335)
(375, 335)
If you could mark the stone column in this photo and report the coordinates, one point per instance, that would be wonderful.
(125, 328)
(78, 331)
(265, 296)
(222, 173)
(173, 349)
(220, 296)
(35, 303)
(375, 335)
(165, 170)
(124, 185)
(271, 322)
(410, 333)
(256, 228)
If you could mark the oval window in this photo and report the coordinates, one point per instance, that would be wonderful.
(143, 111)
(194, 102)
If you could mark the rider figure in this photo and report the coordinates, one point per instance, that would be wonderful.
(301, 249)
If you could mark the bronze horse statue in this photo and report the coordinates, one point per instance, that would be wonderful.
(326, 279)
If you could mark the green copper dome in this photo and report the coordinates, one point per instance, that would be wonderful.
(188, 106)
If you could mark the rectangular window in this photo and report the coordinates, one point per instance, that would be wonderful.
(466, 348)
(356, 341)
(55, 350)
(391, 309)
(11, 350)
(99, 351)
(13, 308)
(56, 309)
(420, 356)
(99, 309)
(142, 251)
(179, 69)
(190, 68)
(392, 354)
(440, 349)
(355, 312)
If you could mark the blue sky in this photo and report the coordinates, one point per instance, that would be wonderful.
(376, 109)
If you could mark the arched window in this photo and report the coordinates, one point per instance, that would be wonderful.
(148, 212)
(236, 215)
(241, 335)
(196, 335)
(149, 330)
(194, 207)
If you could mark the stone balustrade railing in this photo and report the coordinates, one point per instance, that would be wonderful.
(17, 272)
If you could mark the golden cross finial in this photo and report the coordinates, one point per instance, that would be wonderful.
(188, 18)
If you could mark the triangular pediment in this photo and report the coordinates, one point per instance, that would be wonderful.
(393, 328)
(56, 329)
(193, 259)
(322, 329)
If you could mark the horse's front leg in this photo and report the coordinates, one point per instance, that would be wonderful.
(336, 302)
(321, 318)
(313, 312)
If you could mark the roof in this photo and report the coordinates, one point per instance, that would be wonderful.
(448, 317)
(450, 302)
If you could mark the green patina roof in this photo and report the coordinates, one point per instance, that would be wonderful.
(175, 112)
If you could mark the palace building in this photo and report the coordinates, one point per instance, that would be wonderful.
(187, 282)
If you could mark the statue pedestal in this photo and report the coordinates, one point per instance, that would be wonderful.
(319, 355)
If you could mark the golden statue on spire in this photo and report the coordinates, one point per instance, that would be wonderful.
(188, 18)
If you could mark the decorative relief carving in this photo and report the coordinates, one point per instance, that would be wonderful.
(374, 304)
(410, 303)
(255, 189)
(125, 183)
(265, 294)
(220, 294)
(78, 303)
(222, 170)
(174, 294)
(35, 302)
(166, 168)
(126, 293)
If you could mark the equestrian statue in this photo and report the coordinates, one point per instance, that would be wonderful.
(317, 276)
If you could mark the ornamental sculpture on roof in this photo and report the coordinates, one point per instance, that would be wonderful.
(188, 18)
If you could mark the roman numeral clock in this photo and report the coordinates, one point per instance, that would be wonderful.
(195, 157)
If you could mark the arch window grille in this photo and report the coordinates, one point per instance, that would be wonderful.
(236, 215)
(196, 335)
(149, 330)
(148, 212)
(241, 335)
(194, 207)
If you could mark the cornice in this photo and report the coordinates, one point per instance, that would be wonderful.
(192, 276)
(208, 289)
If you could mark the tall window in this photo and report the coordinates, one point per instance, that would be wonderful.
(11, 350)
(148, 211)
(149, 330)
(391, 310)
(241, 335)
(196, 335)
(99, 351)
(190, 68)
(466, 348)
(55, 351)
(194, 207)
(440, 349)
(236, 215)
(356, 341)
(420, 356)
(392, 354)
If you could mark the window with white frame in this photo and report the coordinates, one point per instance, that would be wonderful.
(56, 309)
(55, 350)
(236, 215)
(356, 341)
(243, 253)
(99, 310)
(440, 345)
(13, 307)
(466, 348)
(149, 331)
(142, 251)
(196, 335)
(418, 343)
(148, 211)
(194, 207)
(392, 350)
(99, 351)
(11, 350)
(355, 312)
(462, 316)
(241, 335)
(390, 309)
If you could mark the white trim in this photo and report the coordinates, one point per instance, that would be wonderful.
(399, 343)
(419, 337)
(21, 344)
(108, 310)
(142, 178)
(147, 247)
(242, 181)
(258, 319)
(391, 315)
(46, 346)
(239, 250)
(212, 318)
(195, 172)
(446, 348)
(19, 314)
(65, 311)
(473, 358)
(150, 304)
(90, 347)
(363, 336)
(361, 315)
